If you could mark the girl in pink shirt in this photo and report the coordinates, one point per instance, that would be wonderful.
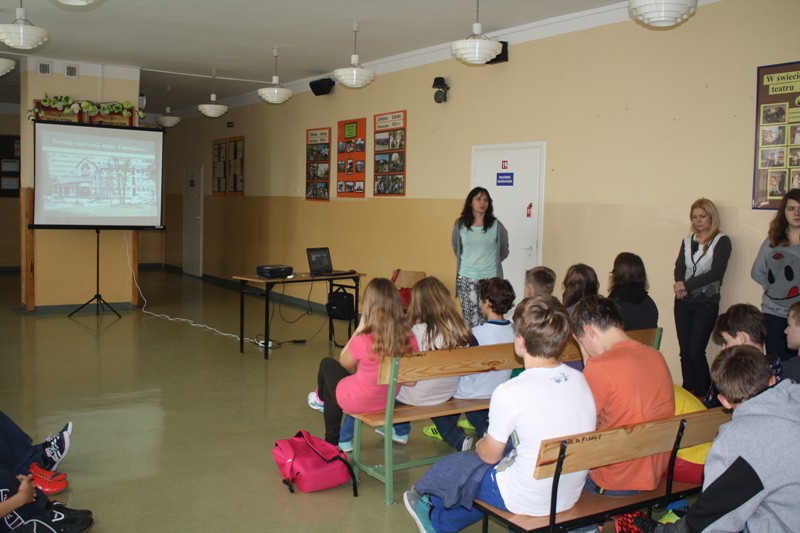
(382, 331)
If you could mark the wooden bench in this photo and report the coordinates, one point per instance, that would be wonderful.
(418, 367)
(438, 364)
(600, 448)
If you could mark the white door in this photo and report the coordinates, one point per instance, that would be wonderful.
(514, 176)
(193, 220)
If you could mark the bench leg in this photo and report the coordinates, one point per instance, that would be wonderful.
(357, 427)
(388, 462)
(485, 524)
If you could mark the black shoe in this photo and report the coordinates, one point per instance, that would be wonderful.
(61, 507)
(70, 524)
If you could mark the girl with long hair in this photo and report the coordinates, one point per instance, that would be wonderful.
(699, 269)
(381, 331)
(436, 325)
(628, 288)
(579, 281)
(480, 243)
(777, 270)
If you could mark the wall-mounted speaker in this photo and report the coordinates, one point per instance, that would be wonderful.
(502, 57)
(323, 86)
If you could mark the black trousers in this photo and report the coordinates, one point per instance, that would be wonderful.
(694, 322)
(331, 372)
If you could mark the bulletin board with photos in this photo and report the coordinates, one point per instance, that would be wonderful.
(777, 143)
(318, 164)
(390, 154)
(351, 158)
(219, 159)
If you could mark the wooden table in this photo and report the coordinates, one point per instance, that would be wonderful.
(300, 277)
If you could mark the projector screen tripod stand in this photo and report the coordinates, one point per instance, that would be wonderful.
(97, 298)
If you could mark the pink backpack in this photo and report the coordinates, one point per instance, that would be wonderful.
(312, 463)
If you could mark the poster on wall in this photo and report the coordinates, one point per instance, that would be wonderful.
(777, 143)
(352, 158)
(390, 154)
(318, 164)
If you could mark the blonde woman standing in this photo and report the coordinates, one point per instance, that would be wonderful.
(699, 269)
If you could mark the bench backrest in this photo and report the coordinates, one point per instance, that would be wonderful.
(648, 337)
(447, 363)
(600, 448)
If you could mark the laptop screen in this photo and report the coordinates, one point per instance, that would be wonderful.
(319, 260)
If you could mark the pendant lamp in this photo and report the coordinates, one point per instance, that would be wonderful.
(477, 49)
(6, 66)
(213, 109)
(21, 33)
(354, 76)
(661, 13)
(275, 93)
(168, 120)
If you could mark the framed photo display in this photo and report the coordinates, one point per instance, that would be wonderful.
(318, 164)
(390, 154)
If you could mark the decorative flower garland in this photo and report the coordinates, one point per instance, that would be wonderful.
(70, 107)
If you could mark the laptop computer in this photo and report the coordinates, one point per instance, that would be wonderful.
(319, 263)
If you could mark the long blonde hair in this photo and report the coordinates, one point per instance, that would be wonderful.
(383, 318)
(432, 305)
(711, 210)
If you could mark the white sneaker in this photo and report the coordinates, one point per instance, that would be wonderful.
(467, 445)
(399, 439)
(315, 403)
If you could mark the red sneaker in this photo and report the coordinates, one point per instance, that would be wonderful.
(38, 471)
(50, 486)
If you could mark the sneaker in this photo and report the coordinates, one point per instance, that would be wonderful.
(399, 439)
(419, 507)
(467, 444)
(346, 446)
(57, 506)
(37, 470)
(56, 447)
(315, 403)
(466, 424)
(635, 522)
(671, 517)
(63, 523)
(432, 431)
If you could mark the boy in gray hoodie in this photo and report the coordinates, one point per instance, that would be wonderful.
(752, 477)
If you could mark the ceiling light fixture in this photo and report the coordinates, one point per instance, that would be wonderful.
(661, 13)
(476, 49)
(354, 76)
(76, 2)
(168, 120)
(6, 66)
(276, 93)
(213, 109)
(21, 33)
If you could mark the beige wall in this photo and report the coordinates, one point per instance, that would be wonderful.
(64, 260)
(638, 124)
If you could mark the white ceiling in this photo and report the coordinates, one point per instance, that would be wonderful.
(236, 37)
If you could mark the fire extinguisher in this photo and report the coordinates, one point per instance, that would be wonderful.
(530, 206)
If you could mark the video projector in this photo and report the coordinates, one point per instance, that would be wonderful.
(273, 271)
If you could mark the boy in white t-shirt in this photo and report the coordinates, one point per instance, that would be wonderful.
(547, 400)
(497, 298)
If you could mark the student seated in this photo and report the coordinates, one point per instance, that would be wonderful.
(547, 400)
(631, 384)
(741, 324)
(791, 367)
(629, 290)
(497, 299)
(437, 325)
(752, 476)
(539, 280)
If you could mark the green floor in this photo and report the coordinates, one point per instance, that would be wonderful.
(173, 427)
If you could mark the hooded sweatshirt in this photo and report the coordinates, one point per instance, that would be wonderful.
(752, 473)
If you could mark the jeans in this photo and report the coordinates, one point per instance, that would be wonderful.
(694, 322)
(454, 435)
(457, 518)
(775, 342)
(329, 375)
(16, 449)
(9, 485)
(348, 428)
